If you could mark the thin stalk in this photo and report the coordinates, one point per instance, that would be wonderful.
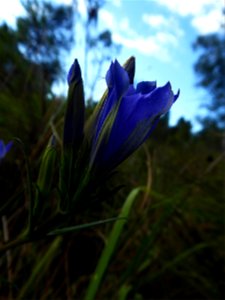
(8, 254)
(29, 187)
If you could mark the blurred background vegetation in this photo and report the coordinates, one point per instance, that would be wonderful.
(172, 246)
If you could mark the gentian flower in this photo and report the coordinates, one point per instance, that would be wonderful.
(4, 149)
(127, 117)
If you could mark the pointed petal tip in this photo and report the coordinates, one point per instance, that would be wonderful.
(117, 77)
(177, 95)
(168, 85)
(74, 73)
(131, 60)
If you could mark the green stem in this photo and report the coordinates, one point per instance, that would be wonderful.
(29, 186)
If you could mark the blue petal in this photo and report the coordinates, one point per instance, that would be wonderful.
(131, 90)
(123, 124)
(138, 136)
(117, 78)
(138, 107)
(145, 87)
(118, 83)
(177, 95)
(2, 149)
(160, 100)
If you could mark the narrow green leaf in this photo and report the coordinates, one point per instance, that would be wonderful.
(79, 227)
(123, 292)
(42, 264)
(47, 169)
(111, 245)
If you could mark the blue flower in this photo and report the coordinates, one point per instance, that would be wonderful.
(4, 149)
(127, 117)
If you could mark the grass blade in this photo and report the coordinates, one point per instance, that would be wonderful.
(41, 266)
(110, 246)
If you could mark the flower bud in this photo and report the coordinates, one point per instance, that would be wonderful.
(47, 168)
(129, 66)
(74, 116)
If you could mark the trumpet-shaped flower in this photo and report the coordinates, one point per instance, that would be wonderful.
(4, 149)
(127, 116)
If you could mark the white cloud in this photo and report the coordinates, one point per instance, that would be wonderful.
(163, 23)
(107, 18)
(190, 7)
(150, 46)
(10, 11)
(164, 38)
(206, 15)
(125, 27)
(155, 45)
(208, 23)
(116, 3)
(154, 20)
(124, 24)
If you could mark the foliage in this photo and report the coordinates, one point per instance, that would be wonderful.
(30, 64)
(210, 67)
(20, 89)
(174, 234)
(43, 33)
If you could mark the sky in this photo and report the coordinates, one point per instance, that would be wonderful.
(160, 34)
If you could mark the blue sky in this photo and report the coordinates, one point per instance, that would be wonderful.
(159, 34)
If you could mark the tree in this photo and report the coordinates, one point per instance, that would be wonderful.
(210, 67)
(19, 89)
(30, 62)
(45, 32)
